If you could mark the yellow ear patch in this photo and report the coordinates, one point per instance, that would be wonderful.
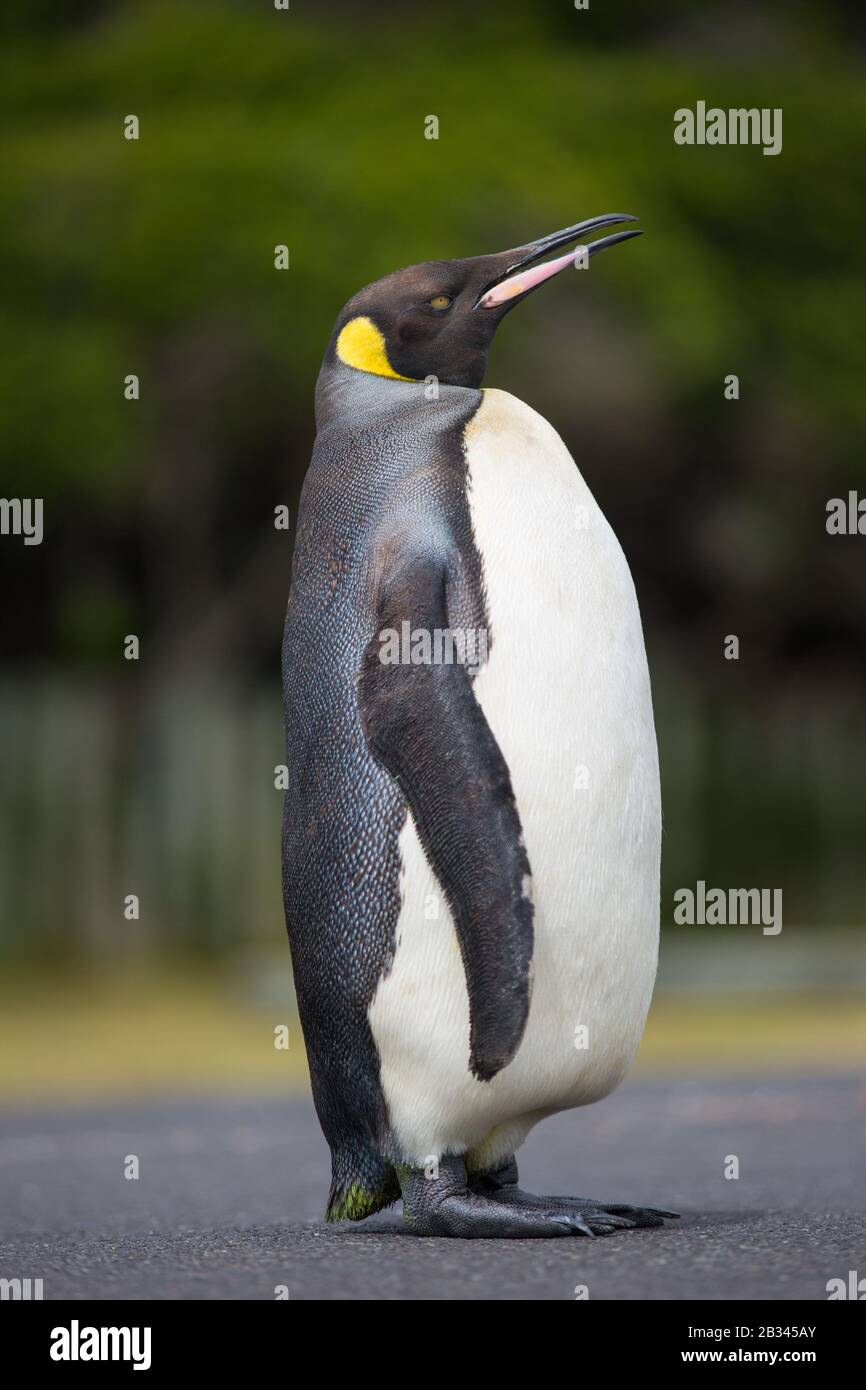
(360, 344)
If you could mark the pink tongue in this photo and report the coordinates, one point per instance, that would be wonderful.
(528, 279)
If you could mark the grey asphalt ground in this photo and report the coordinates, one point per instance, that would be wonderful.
(229, 1199)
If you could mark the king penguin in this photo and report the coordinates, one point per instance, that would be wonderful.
(471, 834)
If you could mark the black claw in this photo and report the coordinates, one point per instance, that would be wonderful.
(624, 1210)
(575, 1223)
(606, 1216)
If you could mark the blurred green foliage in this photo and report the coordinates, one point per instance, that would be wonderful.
(306, 127)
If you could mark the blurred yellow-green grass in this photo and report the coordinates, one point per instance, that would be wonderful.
(124, 1040)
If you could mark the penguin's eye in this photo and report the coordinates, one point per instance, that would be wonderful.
(440, 301)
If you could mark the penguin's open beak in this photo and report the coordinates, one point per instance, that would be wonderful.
(523, 273)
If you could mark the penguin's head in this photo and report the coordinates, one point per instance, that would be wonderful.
(438, 318)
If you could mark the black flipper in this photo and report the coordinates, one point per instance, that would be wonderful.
(425, 726)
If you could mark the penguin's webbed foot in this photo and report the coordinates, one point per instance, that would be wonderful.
(501, 1184)
(444, 1204)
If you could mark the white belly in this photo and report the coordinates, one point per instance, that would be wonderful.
(566, 693)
